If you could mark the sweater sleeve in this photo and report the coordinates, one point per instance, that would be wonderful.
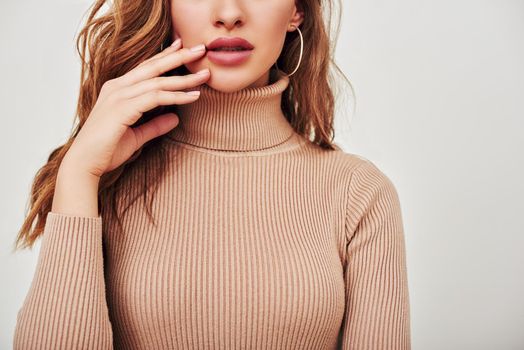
(66, 307)
(377, 314)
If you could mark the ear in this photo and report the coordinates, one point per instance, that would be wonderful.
(298, 16)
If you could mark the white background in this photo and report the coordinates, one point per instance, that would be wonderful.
(439, 88)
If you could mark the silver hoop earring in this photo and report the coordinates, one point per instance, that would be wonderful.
(301, 52)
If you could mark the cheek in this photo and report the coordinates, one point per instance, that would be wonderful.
(270, 33)
(188, 22)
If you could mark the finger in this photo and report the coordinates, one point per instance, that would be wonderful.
(150, 100)
(168, 50)
(154, 128)
(171, 83)
(158, 66)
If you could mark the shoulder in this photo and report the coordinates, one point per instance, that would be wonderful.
(363, 179)
(368, 175)
(336, 159)
(351, 174)
(371, 196)
(360, 171)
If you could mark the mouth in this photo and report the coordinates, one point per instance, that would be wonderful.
(229, 48)
(229, 51)
(225, 44)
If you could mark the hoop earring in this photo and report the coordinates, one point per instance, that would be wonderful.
(301, 52)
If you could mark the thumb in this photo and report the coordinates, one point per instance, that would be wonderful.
(155, 127)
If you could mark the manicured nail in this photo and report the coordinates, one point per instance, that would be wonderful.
(198, 48)
(194, 92)
(176, 42)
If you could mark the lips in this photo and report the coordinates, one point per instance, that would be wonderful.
(229, 44)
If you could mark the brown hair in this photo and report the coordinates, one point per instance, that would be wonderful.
(132, 31)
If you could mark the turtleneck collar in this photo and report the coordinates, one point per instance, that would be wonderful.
(249, 119)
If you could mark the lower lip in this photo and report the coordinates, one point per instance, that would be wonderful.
(228, 58)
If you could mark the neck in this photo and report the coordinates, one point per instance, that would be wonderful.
(245, 120)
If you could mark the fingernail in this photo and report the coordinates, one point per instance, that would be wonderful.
(194, 92)
(176, 42)
(203, 71)
(198, 48)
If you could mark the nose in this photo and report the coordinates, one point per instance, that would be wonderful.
(229, 14)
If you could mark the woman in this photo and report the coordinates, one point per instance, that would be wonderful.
(228, 219)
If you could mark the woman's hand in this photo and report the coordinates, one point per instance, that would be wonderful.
(106, 140)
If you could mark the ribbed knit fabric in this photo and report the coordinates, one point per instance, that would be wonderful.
(263, 241)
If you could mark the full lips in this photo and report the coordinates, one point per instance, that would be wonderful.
(228, 58)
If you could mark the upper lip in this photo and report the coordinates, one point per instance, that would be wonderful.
(229, 42)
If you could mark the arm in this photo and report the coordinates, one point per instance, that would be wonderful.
(66, 307)
(377, 312)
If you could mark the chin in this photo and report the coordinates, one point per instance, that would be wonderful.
(229, 81)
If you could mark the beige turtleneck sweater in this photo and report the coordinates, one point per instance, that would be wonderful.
(264, 241)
